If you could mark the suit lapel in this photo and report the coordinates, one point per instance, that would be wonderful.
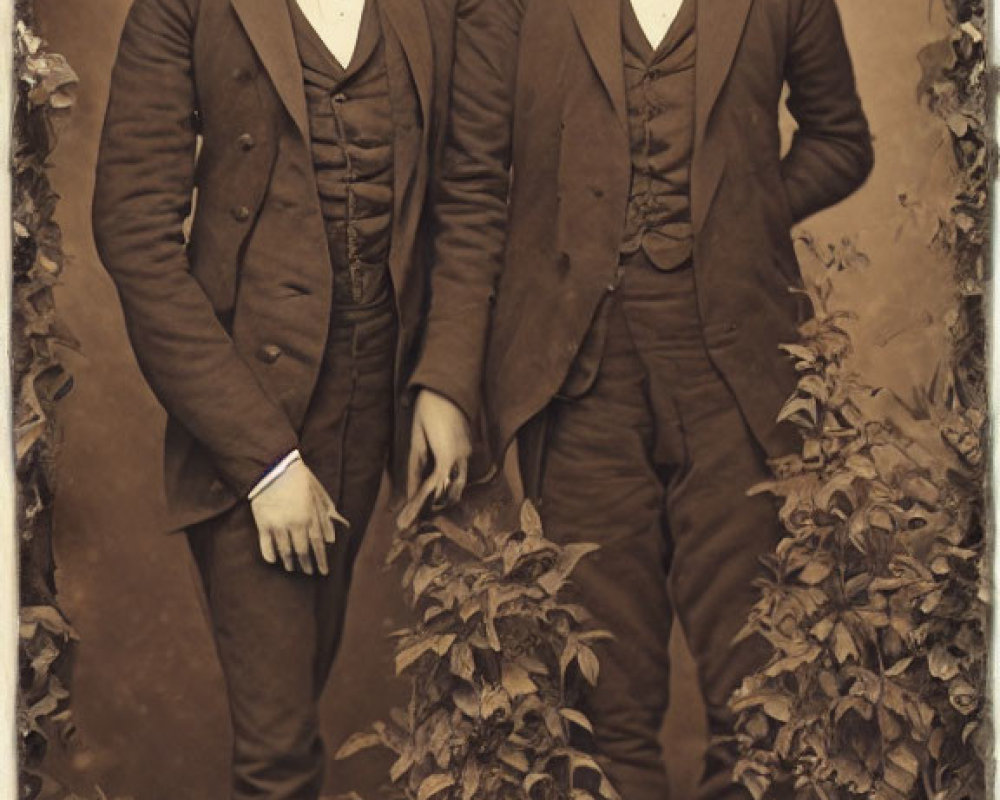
(408, 54)
(409, 24)
(600, 25)
(269, 29)
(720, 25)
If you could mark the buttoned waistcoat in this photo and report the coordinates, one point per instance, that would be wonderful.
(208, 95)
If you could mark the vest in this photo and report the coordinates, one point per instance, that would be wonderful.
(659, 86)
(351, 141)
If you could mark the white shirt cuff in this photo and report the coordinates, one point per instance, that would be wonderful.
(276, 472)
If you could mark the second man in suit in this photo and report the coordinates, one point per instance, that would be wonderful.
(611, 283)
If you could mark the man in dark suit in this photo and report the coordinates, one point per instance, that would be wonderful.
(277, 333)
(612, 275)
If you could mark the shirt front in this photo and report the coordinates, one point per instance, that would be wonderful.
(337, 23)
(655, 17)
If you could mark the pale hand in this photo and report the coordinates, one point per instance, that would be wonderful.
(440, 437)
(295, 520)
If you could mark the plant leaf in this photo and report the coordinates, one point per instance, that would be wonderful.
(356, 743)
(577, 718)
(434, 784)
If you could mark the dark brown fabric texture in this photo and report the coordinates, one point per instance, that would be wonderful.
(659, 91)
(351, 131)
(277, 633)
(229, 328)
(540, 120)
(652, 464)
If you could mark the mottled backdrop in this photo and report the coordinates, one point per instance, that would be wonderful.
(148, 696)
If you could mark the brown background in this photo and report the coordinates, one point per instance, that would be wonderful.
(148, 695)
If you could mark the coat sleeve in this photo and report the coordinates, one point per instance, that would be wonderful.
(470, 206)
(831, 152)
(143, 193)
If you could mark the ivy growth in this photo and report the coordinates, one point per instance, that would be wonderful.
(496, 662)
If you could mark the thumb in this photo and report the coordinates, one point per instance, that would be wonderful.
(327, 506)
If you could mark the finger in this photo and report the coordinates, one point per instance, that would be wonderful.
(330, 511)
(300, 541)
(318, 548)
(329, 508)
(337, 516)
(284, 545)
(417, 461)
(267, 547)
(459, 477)
(327, 530)
(415, 505)
(443, 474)
(440, 490)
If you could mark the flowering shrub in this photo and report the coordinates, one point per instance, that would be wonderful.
(495, 663)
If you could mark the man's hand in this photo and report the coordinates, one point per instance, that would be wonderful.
(295, 520)
(441, 434)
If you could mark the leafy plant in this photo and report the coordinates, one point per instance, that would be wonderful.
(876, 607)
(496, 661)
(956, 88)
(44, 84)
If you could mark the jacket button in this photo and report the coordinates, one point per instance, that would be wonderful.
(339, 97)
(731, 327)
(240, 74)
(241, 213)
(217, 487)
(269, 353)
(598, 191)
(246, 142)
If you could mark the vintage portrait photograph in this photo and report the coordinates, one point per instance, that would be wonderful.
(502, 399)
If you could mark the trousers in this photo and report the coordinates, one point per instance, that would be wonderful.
(652, 462)
(277, 633)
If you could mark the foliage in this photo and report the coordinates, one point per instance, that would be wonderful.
(44, 83)
(956, 88)
(495, 661)
(875, 608)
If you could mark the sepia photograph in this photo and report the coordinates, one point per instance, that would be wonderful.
(502, 399)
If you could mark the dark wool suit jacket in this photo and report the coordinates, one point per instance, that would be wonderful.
(535, 182)
(236, 386)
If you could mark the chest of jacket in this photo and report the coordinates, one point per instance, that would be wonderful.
(571, 97)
